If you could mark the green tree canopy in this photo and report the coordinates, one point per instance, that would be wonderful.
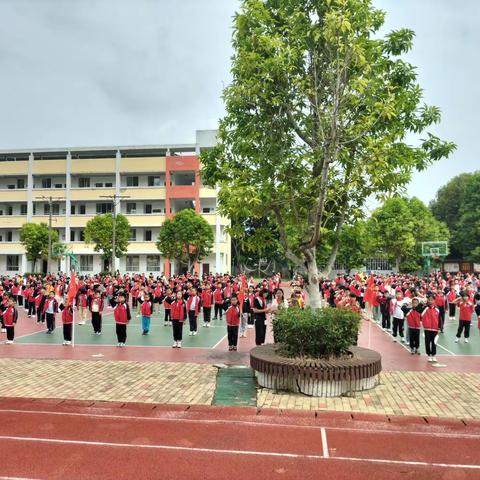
(398, 227)
(99, 231)
(187, 238)
(458, 205)
(317, 115)
(34, 237)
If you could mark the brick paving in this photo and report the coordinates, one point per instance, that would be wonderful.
(150, 382)
(430, 394)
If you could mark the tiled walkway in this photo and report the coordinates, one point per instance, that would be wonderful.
(150, 382)
(435, 394)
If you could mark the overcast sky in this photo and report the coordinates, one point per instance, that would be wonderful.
(127, 72)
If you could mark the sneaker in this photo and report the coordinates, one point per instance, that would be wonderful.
(169, 324)
(194, 333)
(144, 332)
(404, 340)
(119, 344)
(4, 330)
(179, 344)
(165, 324)
(434, 359)
(9, 342)
(395, 340)
(174, 345)
(190, 334)
(81, 323)
(234, 349)
(207, 325)
(137, 316)
(230, 348)
(457, 340)
(412, 351)
(418, 352)
(466, 340)
(64, 342)
(68, 342)
(250, 326)
(430, 359)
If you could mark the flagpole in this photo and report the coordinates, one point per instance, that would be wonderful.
(73, 322)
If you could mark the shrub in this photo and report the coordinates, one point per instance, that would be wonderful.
(319, 333)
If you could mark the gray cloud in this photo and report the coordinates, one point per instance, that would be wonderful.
(101, 72)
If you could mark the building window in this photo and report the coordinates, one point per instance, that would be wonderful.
(20, 183)
(9, 210)
(98, 185)
(13, 262)
(84, 182)
(104, 208)
(148, 208)
(55, 209)
(153, 263)
(86, 263)
(82, 209)
(72, 209)
(154, 181)
(132, 181)
(131, 208)
(133, 235)
(9, 237)
(46, 183)
(72, 235)
(23, 209)
(11, 187)
(148, 235)
(82, 236)
(108, 184)
(133, 263)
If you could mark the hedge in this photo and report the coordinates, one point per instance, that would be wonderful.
(319, 333)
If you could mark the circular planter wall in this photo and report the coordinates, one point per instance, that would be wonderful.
(319, 378)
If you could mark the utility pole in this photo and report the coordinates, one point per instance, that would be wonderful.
(116, 199)
(51, 200)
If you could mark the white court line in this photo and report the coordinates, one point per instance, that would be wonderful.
(326, 453)
(128, 345)
(446, 349)
(235, 452)
(17, 478)
(219, 342)
(239, 422)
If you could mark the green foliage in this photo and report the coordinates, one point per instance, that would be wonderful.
(458, 205)
(317, 116)
(316, 333)
(99, 231)
(34, 237)
(398, 227)
(187, 238)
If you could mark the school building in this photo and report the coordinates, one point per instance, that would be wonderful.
(155, 182)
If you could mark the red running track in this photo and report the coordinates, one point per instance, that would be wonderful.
(54, 439)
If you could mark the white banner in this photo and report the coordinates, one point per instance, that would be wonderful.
(451, 267)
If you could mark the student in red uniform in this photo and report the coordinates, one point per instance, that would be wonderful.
(440, 303)
(96, 309)
(167, 305)
(146, 309)
(10, 316)
(465, 318)
(218, 301)
(193, 308)
(414, 320)
(430, 320)
(122, 316)
(50, 308)
(452, 302)
(67, 320)
(233, 322)
(82, 306)
(207, 299)
(178, 312)
(39, 302)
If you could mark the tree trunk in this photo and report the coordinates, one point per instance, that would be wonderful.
(397, 264)
(314, 299)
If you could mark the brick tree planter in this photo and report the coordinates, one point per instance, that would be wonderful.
(316, 377)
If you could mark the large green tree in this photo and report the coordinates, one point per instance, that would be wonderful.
(397, 229)
(99, 231)
(458, 205)
(34, 237)
(317, 115)
(187, 237)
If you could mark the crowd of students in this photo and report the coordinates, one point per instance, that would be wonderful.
(420, 302)
(244, 303)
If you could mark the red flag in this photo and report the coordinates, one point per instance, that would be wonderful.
(72, 289)
(369, 295)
